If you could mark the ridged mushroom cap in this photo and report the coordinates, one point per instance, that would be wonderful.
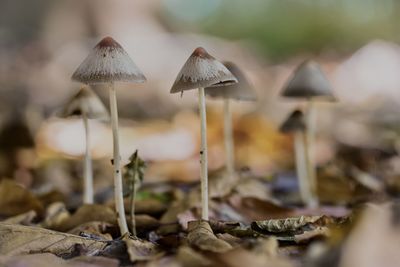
(85, 102)
(202, 70)
(294, 122)
(242, 90)
(108, 62)
(308, 81)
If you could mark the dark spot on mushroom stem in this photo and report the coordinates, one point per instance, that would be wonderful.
(104, 55)
(112, 161)
(117, 171)
(201, 152)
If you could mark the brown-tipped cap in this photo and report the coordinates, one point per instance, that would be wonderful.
(308, 81)
(202, 70)
(85, 102)
(242, 90)
(294, 122)
(108, 62)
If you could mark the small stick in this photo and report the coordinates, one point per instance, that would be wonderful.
(118, 195)
(203, 156)
(88, 172)
(133, 196)
(228, 136)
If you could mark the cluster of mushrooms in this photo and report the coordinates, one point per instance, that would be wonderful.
(109, 63)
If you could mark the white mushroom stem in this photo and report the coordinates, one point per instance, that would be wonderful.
(88, 172)
(310, 141)
(228, 137)
(203, 156)
(119, 199)
(301, 169)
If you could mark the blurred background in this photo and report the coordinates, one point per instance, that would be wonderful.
(42, 42)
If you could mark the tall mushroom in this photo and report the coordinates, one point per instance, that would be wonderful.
(295, 124)
(108, 63)
(238, 91)
(87, 105)
(308, 82)
(199, 71)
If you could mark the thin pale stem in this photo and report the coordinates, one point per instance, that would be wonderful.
(88, 172)
(301, 168)
(229, 145)
(310, 145)
(133, 196)
(203, 155)
(119, 199)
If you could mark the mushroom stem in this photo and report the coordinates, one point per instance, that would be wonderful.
(133, 197)
(310, 141)
(228, 134)
(203, 155)
(301, 169)
(119, 199)
(88, 172)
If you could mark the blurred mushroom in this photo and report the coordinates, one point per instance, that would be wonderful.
(295, 124)
(202, 70)
(309, 82)
(242, 90)
(87, 105)
(109, 63)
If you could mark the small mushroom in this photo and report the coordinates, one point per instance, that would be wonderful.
(87, 105)
(308, 82)
(109, 63)
(295, 124)
(242, 90)
(202, 70)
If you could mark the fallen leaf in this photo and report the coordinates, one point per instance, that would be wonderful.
(15, 199)
(56, 214)
(189, 257)
(257, 209)
(18, 239)
(141, 250)
(89, 213)
(50, 260)
(95, 230)
(24, 218)
(201, 236)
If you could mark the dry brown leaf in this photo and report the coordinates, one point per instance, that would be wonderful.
(89, 213)
(24, 218)
(18, 239)
(50, 260)
(191, 258)
(15, 199)
(96, 230)
(56, 214)
(257, 209)
(289, 225)
(201, 236)
(141, 250)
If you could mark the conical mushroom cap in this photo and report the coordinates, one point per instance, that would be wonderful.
(108, 62)
(308, 81)
(85, 102)
(294, 122)
(242, 90)
(202, 70)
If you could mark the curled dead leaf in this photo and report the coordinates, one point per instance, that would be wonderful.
(201, 236)
(141, 250)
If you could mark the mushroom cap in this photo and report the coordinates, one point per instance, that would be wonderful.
(202, 70)
(308, 81)
(294, 122)
(242, 90)
(108, 62)
(85, 102)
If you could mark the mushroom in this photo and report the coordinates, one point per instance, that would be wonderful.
(199, 71)
(238, 91)
(309, 82)
(109, 63)
(87, 105)
(295, 124)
